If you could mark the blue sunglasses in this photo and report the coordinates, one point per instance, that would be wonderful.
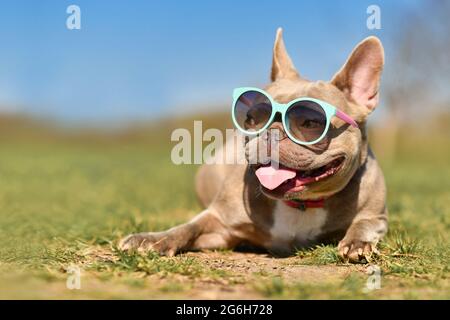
(305, 120)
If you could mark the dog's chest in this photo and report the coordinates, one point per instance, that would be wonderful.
(294, 227)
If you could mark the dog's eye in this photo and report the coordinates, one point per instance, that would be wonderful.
(249, 122)
(311, 124)
(257, 116)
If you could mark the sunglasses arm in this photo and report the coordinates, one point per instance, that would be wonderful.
(345, 117)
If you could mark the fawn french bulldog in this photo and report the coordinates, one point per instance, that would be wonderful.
(327, 187)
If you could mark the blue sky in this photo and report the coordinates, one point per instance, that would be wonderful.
(147, 59)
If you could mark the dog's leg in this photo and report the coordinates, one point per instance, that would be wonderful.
(362, 237)
(205, 231)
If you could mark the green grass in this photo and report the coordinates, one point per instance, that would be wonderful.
(69, 203)
(151, 264)
(319, 255)
(348, 288)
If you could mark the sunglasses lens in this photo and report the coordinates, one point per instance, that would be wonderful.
(306, 120)
(252, 111)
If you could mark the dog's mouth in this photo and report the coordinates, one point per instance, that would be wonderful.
(281, 180)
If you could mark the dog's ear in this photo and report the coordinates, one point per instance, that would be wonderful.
(282, 66)
(360, 76)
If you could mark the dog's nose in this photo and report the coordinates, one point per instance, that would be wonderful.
(276, 132)
(274, 135)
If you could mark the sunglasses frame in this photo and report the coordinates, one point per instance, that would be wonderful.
(282, 108)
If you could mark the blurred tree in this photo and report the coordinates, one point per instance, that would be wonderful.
(417, 83)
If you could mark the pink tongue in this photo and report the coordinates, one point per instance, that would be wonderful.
(271, 177)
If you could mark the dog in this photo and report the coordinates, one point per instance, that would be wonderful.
(346, 207)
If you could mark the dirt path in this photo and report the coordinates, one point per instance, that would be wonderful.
(226, 275)
(249, 268)
(247, 264)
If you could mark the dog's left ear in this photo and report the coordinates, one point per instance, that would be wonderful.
(282, 66)
(360, 76)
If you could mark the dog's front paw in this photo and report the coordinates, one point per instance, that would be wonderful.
(148, 241)
(356, 251)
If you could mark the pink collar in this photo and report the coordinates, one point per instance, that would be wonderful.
(305, 204)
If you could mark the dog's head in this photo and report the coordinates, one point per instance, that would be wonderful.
(333, 161)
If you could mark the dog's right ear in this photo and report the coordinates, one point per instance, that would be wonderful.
(360, 77)
(282, 66)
